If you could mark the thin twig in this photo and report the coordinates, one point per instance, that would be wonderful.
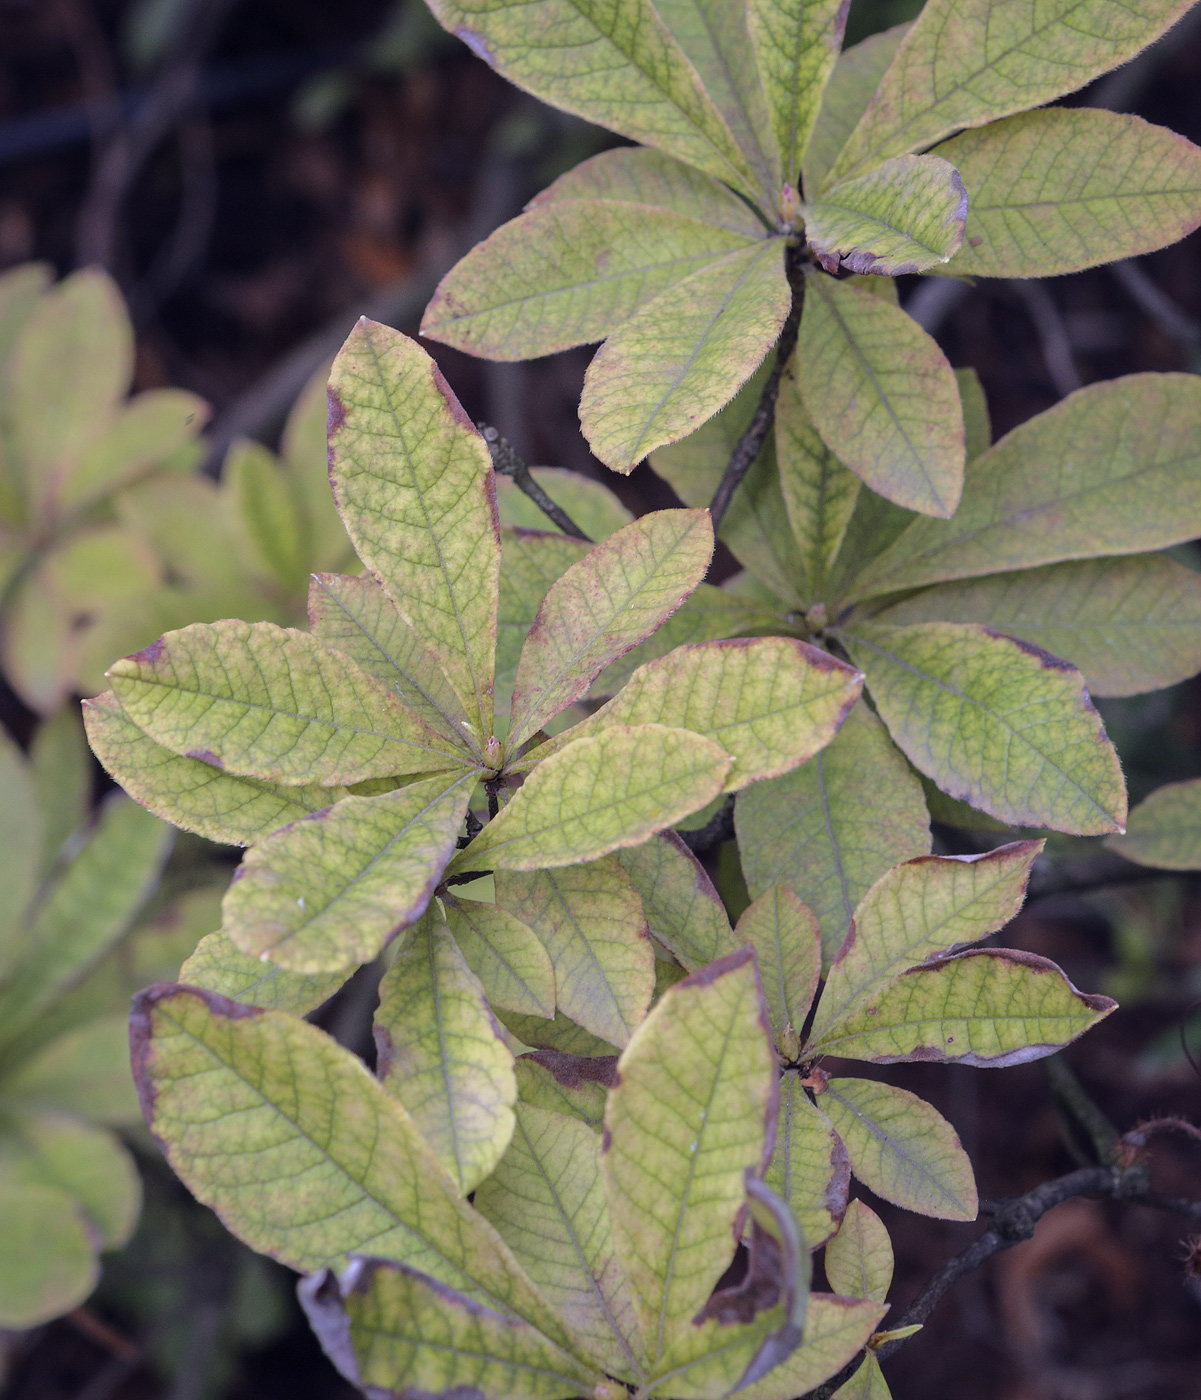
(719, 828)
(1052, 335)
(751, 442)
(509, 464)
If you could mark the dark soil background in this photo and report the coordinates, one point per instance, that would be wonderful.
(256, 173)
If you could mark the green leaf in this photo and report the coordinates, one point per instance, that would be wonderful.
(305, 452)
(84, 1072)
(772, 702)
(859, 1259)
(783, 933)
(600, 793)
(621, 69)
(532, 561)
(867, 1383)
(560, 1036)
(619, 593)
(273, 703)
(327, 892)
(683, 355)
(269, 510)
(590, 920)
(968, 62)
(809, 1167)
(795, 45)
(263, 1115)
(391, 1331)
(21, 288)
(819, 493)
(988, 1007)
(994, 722)
(1060, 190)
(218, 965)
(569, 272)
(48, 1260)
(190, 792)
(86, 911)
(61, 769)
(906, 216)
(902, 1148)
(830, 829)
(1164, 830)
(571, 1084)
(356, 617)
(1114, 468)
(977, 425)
(835, 1329)
(1129, 625)
(683, 910)
(882, 395)
(675, 1180)
(593, 507)
(144, 433)
(639, 175)
(440, 1051)
(919, 910)
(21, 828)
(505, 954)
(547, 1202)
(413, 482)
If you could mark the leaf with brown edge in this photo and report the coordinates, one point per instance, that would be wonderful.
(835, 1330)
(809, 1166)
(573, 1084)
(683, 910)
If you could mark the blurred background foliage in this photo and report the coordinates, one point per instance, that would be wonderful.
(197, 199)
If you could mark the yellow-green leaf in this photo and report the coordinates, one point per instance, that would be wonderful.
(83, 1072)
(440, 1051)
(1129, 624)
(593, 507)
(413, 483)
(683, 355)
(144, 433)
(683, 910)
(48, 1260)
(21, 827)
(569, 272)
(903, 1149)
(268, 510)
(532, 561)
(995, 722)
(590, 920)
(905, 216)
(218, 965)
(882, 395)
(809, 1167)
(619, 593)
(829, 829)
(835, 1329)
(571, 1084)
(795, 45)
(987, 1007)
(968, 62)
(783, 933)
(1059, 190)
(327, 892)
(505, 954)
(867, 1383)
(273, 703)
(1164, 830)
(854, 79)
(676, 1180)
(547, 1202)
(859, 1258)
(61, 769)
(600, 793)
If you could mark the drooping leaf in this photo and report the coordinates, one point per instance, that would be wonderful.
(903, 1148)
(829, 829)
(994, 722)
(327, 892)
(260, 1113)
(1164, 830)
(604, 605)
(391, 1330)
(795, 46)
(273, 703)
(590, 920)
(771, 702)
(1113, 469)
(569, 272)
(907, 215)
(683, 355)
(968, 62)
(675, 1183)
(84, 1072)
(61, 769)
(987, 1006)
(918, 910)
(440, 1051)
(835, 1329)
(1129, 625)
(623, 70)
(413, 482)
(605, 791)
(1059, 190)
(593, 507)
(809, 1167)
(505, 954)
(783, 933)
(859, 1258)
(683, 910)
(548, 1204)
(190, 792)
(355, 616)
(882, 395)
(573, 1084)
(218, 965)
(48, 1259)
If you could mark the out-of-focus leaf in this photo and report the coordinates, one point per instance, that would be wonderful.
(270, 511)
(1164, 830)
(84, 1072)
(21, 844)
(560, 1036)
(304, 450)
(809, 1167)
(795, 46)
(505, 954)
(48, 1261)
(783, 933)
(218, 965)
(859, 1258)
(60, 766)
(683, 910)
(593, 507)
(144, 433)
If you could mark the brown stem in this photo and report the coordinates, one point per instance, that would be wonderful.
(509, 464)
